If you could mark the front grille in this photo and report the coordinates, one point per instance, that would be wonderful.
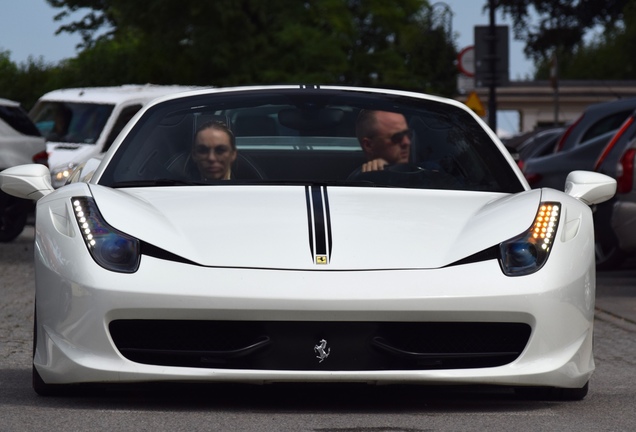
(293, 345)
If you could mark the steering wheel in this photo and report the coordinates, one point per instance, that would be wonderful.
(404, 168)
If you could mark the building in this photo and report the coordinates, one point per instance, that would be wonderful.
(539, 105)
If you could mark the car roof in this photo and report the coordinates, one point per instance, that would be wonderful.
(114, 94)
(372, 90)
(617, 103)
(7, 102)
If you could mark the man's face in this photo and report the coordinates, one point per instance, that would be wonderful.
(213, 154)
(392, 139)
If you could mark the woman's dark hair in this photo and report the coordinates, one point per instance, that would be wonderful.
(215, 124)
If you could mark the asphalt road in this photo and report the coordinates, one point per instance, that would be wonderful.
(608, 407)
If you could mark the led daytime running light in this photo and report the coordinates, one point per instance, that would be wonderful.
(86, 219)
(545, 225)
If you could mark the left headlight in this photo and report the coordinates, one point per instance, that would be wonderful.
(61, 174)
(109, 247)
(528, 252)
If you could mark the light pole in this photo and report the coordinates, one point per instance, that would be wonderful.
(446, 17)
(492, 59)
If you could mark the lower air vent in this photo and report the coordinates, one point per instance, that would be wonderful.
(344, 346)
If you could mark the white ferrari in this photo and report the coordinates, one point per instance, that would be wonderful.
(300, 266)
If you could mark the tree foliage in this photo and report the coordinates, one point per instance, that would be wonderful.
(26, 82)
(236, 42)
(607, 56)
(560, 25)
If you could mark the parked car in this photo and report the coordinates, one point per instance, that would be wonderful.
(20, 143)
(443, 268)
(615, 220)
(541, 143)
(552, 169)
(580, 145)
(80, 123)
(595, 120)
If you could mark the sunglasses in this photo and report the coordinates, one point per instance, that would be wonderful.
(218, 150)
(398, 137)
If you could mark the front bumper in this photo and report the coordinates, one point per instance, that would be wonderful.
(77, 301)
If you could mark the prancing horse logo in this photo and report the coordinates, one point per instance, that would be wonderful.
(320, 350)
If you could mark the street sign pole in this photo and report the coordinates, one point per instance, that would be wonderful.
(492, 63)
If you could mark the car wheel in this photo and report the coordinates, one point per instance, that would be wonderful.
(12, 222)
(608, 255)
(40, 387)
(553, 393)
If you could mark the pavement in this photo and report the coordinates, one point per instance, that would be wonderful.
(616, 296)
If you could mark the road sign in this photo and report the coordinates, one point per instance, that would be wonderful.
(466, 61)
(492, 67)
(465, 84)
(474, 103)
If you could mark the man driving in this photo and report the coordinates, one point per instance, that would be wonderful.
(384, 137)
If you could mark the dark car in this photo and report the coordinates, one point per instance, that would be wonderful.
(538, 144)
(20, 143)
(579, 145)
(615, 220)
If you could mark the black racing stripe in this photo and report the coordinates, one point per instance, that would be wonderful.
(310, 221)
(319, 221)
(328, 220)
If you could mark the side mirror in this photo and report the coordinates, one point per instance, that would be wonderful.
(31, 181)
(590, 187)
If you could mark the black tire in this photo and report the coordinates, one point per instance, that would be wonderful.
(12, 222)
(38, 384)
(553, 393)
(608, 255)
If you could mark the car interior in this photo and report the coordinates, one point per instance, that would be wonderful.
(311, 142)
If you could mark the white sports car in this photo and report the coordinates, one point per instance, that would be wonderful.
(302, 267)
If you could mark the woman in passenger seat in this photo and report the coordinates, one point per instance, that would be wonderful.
(214, 151)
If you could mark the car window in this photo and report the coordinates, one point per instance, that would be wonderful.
(71, 122)
(289, 136)
(122, 120)
(606, 124)
(18, 119)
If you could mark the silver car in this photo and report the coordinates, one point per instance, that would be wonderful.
(20, 143)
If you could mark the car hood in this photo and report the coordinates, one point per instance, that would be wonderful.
(61, 155)
(317, 227)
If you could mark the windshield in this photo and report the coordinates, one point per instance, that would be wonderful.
(71, 122)
(308, 136)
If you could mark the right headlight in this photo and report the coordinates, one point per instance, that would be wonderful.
(528, 252)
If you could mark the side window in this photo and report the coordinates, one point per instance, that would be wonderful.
(124, 117)
(18, 119)
(606, 124)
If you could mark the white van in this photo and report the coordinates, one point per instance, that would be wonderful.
(81, 123)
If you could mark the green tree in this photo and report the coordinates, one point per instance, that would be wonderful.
(549, 25)
(236, 42)
(27, 81)
(606, 57)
